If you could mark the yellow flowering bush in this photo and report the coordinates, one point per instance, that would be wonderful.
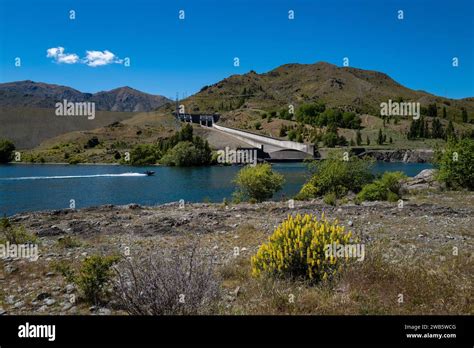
(297, 249)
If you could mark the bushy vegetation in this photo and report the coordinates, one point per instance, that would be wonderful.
(168, 283)
(92, 142)
(68, 242)
(15, 234)
(181, 149)
(258, 182)
(143, 154)
(94, 275)
(420, 129)
(387, 188)
(456, 164)
(336, 175)
(297, 249)
(188, 153)
(7, 149)
(316, 114)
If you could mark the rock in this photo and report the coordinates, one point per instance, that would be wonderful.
(42, 308)
(49, 302)
(2, 311)
(9, 269)
(350, 223)
(426, 179)
(10, 299)
(42, 296)
(236, 291)
(19, 304)
(66, 306)
(50, 274)
(51, 231)
(70, 288)
(406, 156)
(104, 311)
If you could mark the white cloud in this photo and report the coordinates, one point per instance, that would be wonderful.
(57, 53)
(100, 58)
(92, 58)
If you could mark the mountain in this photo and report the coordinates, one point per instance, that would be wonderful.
(43, 95)
(348, 88)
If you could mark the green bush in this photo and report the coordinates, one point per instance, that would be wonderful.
(94, 275)
(6, 151)
(186, 154)
(336, 175)
(63, 267)
(387, 188)
(15, 234)
(456, 164)
(144, 154)
(259, 182)
(330, 198)
(68, 242)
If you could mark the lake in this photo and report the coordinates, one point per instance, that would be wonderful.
(33, 187)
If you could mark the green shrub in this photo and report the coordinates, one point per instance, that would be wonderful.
(7, 150)
(15, 234)
(68, 242)
(64, 268)
(336, 175)
(297, 249)
(330, 198)
(94, 275)
(307, 192)
(92, 142)
(144, 154)
(186, 154)
(259, 182)
(387, 188)
(71, 160)
(456, 164)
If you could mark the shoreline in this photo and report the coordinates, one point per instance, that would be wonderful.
(431, 224)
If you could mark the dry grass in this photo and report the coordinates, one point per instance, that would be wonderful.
(369, 287)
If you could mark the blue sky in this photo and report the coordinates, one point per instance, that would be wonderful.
(169, 55)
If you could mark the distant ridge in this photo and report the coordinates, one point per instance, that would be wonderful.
(43, 95)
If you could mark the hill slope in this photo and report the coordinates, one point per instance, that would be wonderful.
(349, 88)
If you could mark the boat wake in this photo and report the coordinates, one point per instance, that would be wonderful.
(75, 176)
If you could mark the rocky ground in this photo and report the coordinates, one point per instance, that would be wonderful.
(427, 227)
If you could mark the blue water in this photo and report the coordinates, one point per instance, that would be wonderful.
(45, 187)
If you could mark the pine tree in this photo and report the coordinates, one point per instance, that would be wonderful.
(358, 138)
(450, 133)
(391, 140)
(464, 115)
(437, 129)
(380, 137)
(368, 140)
(445, 114)
(426, 130)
